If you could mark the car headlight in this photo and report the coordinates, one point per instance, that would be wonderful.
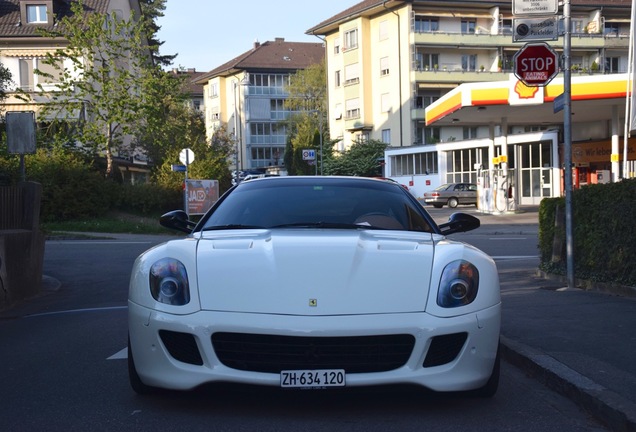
(458, 285)
(169, 282)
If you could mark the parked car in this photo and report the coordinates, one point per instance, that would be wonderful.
(351, 283)
(452, 194)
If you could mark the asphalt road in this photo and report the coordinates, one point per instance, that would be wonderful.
(63, 368)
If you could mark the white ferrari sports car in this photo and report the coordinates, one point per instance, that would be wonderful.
(315, 282)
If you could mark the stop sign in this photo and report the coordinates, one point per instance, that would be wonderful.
(536, 64)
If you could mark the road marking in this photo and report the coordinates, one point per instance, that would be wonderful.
(119, 355)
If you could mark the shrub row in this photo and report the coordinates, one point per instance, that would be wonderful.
(604, 239)
(73, 190)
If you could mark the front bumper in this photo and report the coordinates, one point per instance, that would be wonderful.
(469, 369)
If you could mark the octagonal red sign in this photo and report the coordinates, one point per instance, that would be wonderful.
(536, 64)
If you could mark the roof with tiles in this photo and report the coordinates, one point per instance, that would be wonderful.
(12, 27)
(272, 55)
(370, 7)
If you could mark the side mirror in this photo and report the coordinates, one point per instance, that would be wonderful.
(459, 222)
(177, 220)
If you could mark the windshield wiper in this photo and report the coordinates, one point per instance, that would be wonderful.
(231, 227)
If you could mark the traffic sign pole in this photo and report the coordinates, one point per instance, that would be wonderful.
(567, 144)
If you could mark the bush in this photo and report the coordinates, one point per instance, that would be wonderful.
(603, 240)
(70, 188)
(149, 199)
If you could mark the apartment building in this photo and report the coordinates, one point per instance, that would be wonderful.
(247, 94)
(22, 49)
(387, 61)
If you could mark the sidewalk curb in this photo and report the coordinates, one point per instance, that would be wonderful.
(606, 406)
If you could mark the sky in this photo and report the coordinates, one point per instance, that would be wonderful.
(208, 33)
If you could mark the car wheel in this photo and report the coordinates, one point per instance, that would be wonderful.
(453, 202)
(438, 205)
(135, 382)
(490, 388)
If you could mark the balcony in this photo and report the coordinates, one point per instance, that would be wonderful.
(490, 41)
(453, 74)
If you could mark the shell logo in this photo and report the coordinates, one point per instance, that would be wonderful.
(524, 91)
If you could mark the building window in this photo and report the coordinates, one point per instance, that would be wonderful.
(352, 74)
(336, 46)
(267, 133)
(468, 26)
(470, 132)
(337, 111)
(268, 84)
(402, 165)
(426, 25)
(266, 156)
(36, 14)
(26, 75)
(386, 136)
(611, 64)
(432, 135)
(384, 30)
(214, 90)
(611, 29)
(352, 108)
(426, 163)
(278, 110)
(351, 39)
(469, 62)
(460, 164)
(384, 66)
(426, 61)
(385, 102)
(337, 78)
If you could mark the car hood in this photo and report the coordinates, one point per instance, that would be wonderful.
(314, 271)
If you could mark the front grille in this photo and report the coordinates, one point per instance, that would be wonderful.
(181, 346)
(444, 349)
(271, 353)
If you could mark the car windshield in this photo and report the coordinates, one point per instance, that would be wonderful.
(321, 202)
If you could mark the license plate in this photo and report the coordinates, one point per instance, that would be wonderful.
(319, 378)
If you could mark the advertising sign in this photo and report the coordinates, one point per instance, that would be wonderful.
(202, 194)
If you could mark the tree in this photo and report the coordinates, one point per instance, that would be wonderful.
(5, 81)
(307, 101)
(151, 10)
(361, 159)
(210, 163)
(167, 123)
(99, 75)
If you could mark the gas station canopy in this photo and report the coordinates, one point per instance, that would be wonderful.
(479, 104)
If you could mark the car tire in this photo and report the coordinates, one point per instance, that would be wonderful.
(453, 202)
(135, 381)
(490, 388)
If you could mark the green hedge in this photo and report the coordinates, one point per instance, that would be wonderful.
(149, 199)
(604, 239)
(73, 189)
